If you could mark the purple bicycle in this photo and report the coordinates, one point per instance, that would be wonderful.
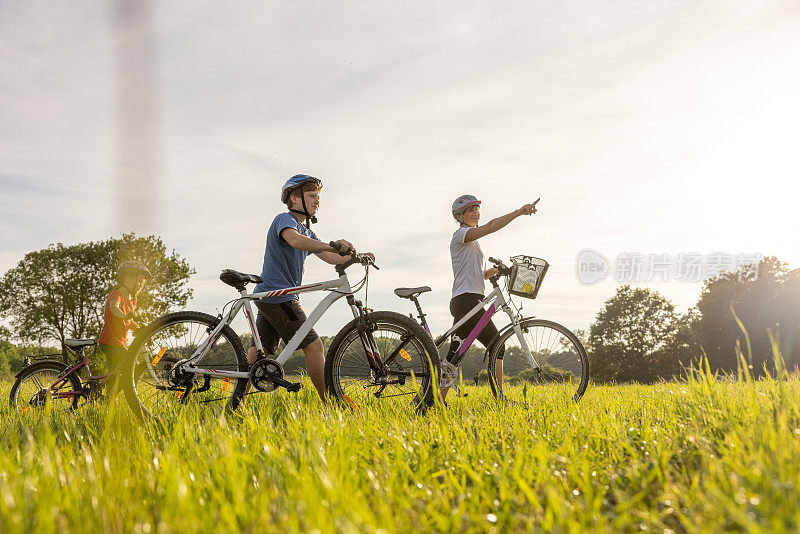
(529, 351)
(56, 382)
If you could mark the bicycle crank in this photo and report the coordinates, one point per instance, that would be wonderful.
(449, 374)
(266, 375)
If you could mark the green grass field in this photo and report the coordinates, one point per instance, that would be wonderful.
(678, 456)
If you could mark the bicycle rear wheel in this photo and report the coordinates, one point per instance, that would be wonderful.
(409, 359)
(43, 384)
(156, 391)
(559, 361)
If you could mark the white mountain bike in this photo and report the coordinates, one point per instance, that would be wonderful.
(191, 356)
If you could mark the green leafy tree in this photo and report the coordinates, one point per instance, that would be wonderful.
(639, 336)
(766, 299)
(12, 356)
(58, 292)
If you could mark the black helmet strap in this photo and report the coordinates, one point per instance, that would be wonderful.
(309, 218)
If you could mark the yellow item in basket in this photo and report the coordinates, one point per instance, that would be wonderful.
(527, 287)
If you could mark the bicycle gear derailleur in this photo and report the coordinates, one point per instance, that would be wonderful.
(178, 377)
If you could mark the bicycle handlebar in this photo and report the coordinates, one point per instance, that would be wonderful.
(355, 257)
(338, 248)
(501, 267)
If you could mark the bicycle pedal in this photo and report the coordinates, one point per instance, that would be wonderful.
(290, 386)
(293, 387)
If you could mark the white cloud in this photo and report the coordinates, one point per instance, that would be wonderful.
(638, 124)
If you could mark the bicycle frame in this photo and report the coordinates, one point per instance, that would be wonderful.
(338, 287)
(495, 300)
(76, 368)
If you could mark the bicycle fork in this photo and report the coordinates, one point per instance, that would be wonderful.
(524, 344)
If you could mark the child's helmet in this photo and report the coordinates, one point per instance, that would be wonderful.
(463, 202)
(298, 180)
(133, 267)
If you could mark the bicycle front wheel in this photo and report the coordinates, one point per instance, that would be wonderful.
(557, 361)
(408, 362)
(156, 391)
(43, 384)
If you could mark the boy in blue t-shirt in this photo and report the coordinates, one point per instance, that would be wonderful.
(289, 242)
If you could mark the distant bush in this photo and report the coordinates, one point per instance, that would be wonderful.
(12, 357)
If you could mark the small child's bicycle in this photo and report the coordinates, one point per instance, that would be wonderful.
(533, 351)
(56, 382)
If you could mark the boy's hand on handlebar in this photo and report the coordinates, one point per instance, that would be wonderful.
(488, 273)
(345, 248)
(342, 246)
(529, 209)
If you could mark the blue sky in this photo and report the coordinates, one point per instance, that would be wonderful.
(657, 127)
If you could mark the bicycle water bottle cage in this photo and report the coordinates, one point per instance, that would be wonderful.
(458, 341)
(239, 280)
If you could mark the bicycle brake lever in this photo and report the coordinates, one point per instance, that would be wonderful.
(366, 260)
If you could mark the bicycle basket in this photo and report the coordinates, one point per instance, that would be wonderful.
(526, 277)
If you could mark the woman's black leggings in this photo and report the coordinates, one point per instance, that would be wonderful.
(460, 306)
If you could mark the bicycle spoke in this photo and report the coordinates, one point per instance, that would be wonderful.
(560, 359)
(177, 340)
(404, 370)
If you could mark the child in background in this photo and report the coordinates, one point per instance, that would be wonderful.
(118, 317)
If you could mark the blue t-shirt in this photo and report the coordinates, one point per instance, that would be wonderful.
(283, 264)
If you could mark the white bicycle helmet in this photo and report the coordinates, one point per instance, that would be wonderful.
(463, 202)
(133, 267)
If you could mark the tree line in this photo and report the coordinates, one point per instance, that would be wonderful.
(58, 293)
(639, 335)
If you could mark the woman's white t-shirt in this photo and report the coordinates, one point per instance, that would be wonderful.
(468, 264)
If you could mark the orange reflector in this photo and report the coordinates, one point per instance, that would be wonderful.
(159, 356)
(225, 384)
(350, 402)
(178, 394)
(406, 356)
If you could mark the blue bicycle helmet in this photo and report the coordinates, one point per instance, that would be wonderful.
(295, 182)
(298, 180)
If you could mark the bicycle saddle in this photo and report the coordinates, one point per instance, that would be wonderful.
(410, 292)
(76, 344)
(238, 280)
